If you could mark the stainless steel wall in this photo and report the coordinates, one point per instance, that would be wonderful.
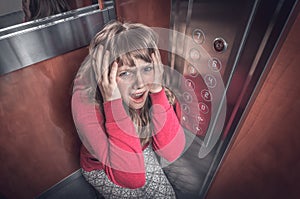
(251, 33)
(31, 42)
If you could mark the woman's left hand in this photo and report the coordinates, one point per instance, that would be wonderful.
(158, 73)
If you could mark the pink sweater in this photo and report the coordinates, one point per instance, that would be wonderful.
(112, 142)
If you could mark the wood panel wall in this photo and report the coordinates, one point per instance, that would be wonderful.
(38, 142)
(264, 161)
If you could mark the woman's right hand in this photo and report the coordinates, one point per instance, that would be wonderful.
(106, 80)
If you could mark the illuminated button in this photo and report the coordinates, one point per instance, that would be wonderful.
(220, 45)
(210, 81)
(192, 71)
(200, 119)
(203, 108)
(197, 129)
(194, 54)
(187, 97)
(189, 84)
(215, 64)
(198, 36)
(206, 95)
(184, 119)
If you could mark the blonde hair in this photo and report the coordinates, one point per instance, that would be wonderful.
(125, 41)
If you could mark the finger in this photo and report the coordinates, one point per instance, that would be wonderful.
(94, 62)
(157, 61)
(153, 56)
(157, 54)
(158, 68)
(105, 67)
(113, 72)
(98, 54)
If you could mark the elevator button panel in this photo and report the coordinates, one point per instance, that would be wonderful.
(196, 103)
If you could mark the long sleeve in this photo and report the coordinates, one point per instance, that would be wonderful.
(168, 138)
(112, 141)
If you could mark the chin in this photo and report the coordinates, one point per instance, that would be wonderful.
(136, 106)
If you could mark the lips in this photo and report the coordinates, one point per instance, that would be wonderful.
(138, 97)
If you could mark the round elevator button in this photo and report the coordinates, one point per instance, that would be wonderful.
(220, 45)
(195, 54)
(198, 36)
(215, 64)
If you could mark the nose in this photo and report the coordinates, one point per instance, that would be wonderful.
(139, 82)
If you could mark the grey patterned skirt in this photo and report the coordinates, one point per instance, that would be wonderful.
(157, 185)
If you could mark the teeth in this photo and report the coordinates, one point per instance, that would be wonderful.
(140, 94)
(136, 95)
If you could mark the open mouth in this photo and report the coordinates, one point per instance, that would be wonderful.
(138, 97)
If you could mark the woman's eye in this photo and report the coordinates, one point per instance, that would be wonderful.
(124, 74)
(148, 68)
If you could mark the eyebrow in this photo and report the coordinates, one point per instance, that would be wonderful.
(126, 68)
(132, 68)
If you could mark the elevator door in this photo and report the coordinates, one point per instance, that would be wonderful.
(223, 49)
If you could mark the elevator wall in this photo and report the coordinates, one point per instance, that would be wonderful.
(38, 141)
(39, 144)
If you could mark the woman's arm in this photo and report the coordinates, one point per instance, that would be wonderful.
(168, 138)
(113, 140)
(168, 135)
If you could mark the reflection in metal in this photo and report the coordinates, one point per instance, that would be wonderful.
(28, 43)
(242, 39)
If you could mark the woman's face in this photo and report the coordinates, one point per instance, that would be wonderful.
(134, 82)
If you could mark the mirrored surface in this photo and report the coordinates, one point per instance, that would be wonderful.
(34, 41)
(18, 11)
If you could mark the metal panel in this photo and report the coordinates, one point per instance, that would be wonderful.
(25, 44)
(252, 30)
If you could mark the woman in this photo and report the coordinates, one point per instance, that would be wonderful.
(36, 9)
(124, 116)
